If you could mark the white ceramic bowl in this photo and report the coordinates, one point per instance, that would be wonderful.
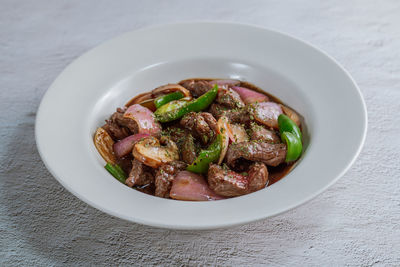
(305, 78)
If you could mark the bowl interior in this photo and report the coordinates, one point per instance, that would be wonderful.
(304, 78)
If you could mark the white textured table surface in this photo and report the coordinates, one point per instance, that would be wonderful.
(355, 222)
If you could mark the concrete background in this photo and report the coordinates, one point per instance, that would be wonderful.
(355, 222)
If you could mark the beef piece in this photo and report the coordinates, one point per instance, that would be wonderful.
(165, 175)
(115, 131)
(236, 115)
(118, 126)
(228, 183)
(125, 163)
(118, 117)
(185, 142)
(270, 154)
(217, 110)
(139, 175)
(229, 98)
(258, 177)
(259, 133)
(175, 133)
(197, 88)
(188, 150)
(202, 125)
(211, 121)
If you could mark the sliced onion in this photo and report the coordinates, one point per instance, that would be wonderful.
(249, 96)
(193, 187)
(239, 133)
(144, 118)
(170, 88)
(266, 113)
(291, 114)
(149, 103)
(104, 144)
(125, 146)
(225, 83)
(139, 99)
(225, 131)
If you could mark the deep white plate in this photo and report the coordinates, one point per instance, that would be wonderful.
(302, 76)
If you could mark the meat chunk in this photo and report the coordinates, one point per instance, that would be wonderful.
(119, 127)
(229, 98)
(217, 110)
(236, 115)
(139, 175)
(115, 131)
(258, 177)
(210, 120)
(270, 154)
(125, 163)
(259, 133)
(188, 150)
(165, 175)
(228, 183)
(241, 116)
(196, 87)
(119, 118)
(185, 142)
(202, 125)
(175, 133)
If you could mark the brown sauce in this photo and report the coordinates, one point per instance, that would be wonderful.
(278, 172)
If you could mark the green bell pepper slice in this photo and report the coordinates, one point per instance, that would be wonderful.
(294, 146)
(170, 108)
(116, 171)
(287, 125)
(203, 101)
(174, 110)
(164, 99)
(291, 135)
(207, 156)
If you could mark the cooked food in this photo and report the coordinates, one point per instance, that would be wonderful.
(200, 140)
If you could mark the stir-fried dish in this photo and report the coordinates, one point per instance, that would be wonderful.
(201, 139)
